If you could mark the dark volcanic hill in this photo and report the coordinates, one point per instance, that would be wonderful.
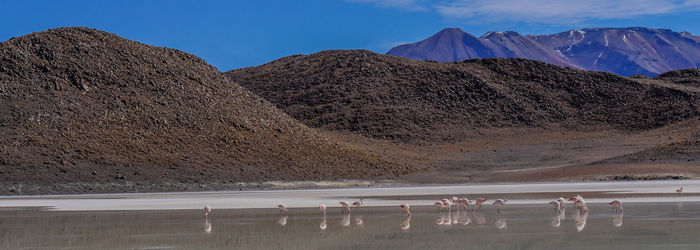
(384, 96)
(81, 106)
(624, 51)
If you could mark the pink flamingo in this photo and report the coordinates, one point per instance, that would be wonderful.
(283, 209)
(207, 210)
(322, 207)
(405, 209)
(344, 206)
(439, 205)
(617, 205)
(499, 203)
(555, 204)
(478, 202)
(579, 202)
(447, 203)
(562, 203)
(323, 225)
(680, 190)
(358, 204)
(465, 203)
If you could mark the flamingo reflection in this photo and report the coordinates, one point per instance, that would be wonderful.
(580, 220)
(345, 220)
(556, 221)
(283, 220)
(463, 218)
(617, 220)
(480, 218)
(406, 223)
(323, 224)
(359, 220)
(500, 223)
(207, 226)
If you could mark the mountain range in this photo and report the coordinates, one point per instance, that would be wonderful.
(623, 51)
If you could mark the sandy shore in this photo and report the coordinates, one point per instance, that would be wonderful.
(531, 193)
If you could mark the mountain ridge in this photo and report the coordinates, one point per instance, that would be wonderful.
(389, 97)
(629, 51)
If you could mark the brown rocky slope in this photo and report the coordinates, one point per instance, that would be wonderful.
(405, 100)
(88, 111)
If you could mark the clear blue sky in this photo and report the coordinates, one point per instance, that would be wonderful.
(234, 34)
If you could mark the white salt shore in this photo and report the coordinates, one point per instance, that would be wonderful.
(628, 191)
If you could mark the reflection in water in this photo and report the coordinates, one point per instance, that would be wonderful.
(283, 220)
(556, 221)
(617, 220)
(207, 226)
(562, 213)
(500, 223)
(656, 226)
(406, 223)
(580, 220)
(345, 220)
(480, 219)
(359, 220)
(463, 218)
(323, 225)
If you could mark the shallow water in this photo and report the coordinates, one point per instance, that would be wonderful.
(643, 226)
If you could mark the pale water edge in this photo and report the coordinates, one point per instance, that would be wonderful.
(628, 191)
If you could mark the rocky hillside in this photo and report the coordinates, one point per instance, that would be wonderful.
(88, 111)
(689, 77)
(624, 51)
(384, 96)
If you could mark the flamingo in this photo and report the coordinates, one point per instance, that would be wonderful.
(439, 205)
(447, 203)
(322, 207)
(344, 206)
(405, 209)
(283, 209)
(680, 190)
(555, 204)
(358, 204)
(617, 205)
(579, 202)
(207, 210)
(323, 225)
(455, 201)
(562, 203)
(479, 201)
(499, 203)
(465, 203)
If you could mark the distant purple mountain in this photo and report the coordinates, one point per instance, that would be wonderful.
(624, 51)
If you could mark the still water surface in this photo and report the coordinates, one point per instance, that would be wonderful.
(643, 226)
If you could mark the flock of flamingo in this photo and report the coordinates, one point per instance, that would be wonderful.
(456, 204)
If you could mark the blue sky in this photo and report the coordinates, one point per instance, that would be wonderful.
(235, 34)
